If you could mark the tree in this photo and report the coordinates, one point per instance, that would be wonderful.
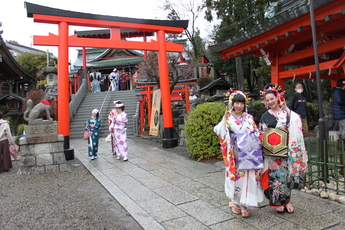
(149, 69)
(193, 8)
(237, 16)
(33, 63)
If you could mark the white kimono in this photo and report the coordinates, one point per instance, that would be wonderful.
(242, 187)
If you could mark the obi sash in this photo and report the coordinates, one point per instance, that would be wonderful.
(275, 142)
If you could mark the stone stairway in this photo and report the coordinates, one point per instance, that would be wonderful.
(95, 100)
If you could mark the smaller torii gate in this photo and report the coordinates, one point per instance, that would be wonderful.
(64, 19)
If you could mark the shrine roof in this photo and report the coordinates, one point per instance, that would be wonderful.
(103, 58)
(10, 70)
(11, 96)
(273, 30)
(44, 10)
(216, 82)
(23, 49)
(115, 62)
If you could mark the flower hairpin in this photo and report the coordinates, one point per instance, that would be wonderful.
(232, 93)
(276, 88)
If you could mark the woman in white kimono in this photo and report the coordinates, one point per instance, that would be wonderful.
(282, 174)
(242, 154)
(118, 126)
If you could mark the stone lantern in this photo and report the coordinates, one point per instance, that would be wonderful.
(50, 74)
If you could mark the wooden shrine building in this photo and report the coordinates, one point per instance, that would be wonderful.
(285, 40)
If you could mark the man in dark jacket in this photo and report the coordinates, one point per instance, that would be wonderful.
(338, 106)
(298, 104)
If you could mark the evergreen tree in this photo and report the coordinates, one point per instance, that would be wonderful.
(237, 16)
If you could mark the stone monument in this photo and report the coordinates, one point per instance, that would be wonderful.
(42, 148)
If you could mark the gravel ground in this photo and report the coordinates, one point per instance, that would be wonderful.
(62, 200)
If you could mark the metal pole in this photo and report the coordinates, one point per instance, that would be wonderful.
(322, 127)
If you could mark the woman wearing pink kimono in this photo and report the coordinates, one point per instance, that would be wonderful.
(242, 154)
(119, 128)
(111, 117)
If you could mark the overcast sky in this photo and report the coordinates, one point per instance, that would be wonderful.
(18, 27)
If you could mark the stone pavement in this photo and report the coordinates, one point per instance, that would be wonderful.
(163, 190)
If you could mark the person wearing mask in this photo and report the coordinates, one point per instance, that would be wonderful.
(298, 104)
(338, 106)
(242, 154)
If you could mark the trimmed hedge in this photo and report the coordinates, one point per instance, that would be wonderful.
(202, 143)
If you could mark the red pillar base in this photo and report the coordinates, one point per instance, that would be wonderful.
(169, 141)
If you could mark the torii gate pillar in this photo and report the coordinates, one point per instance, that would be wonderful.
(63, 95)
(168, 136)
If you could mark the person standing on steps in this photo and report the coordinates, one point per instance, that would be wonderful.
(119, 124)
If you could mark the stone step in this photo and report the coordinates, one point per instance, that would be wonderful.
(95, 100)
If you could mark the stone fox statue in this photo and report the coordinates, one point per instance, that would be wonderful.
(33, 113)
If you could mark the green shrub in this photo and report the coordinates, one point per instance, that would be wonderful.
(20, 131)
(202, 143)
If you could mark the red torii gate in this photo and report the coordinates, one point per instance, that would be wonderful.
(64, 19)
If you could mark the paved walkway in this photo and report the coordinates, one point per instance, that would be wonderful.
(163, 190)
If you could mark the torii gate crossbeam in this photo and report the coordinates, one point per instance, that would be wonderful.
(64, 19)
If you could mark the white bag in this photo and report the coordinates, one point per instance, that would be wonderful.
(108, 138)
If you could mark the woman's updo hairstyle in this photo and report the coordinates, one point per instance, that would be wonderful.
(274, 89)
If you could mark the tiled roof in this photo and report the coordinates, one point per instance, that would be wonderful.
(22, 49)
(286, 10)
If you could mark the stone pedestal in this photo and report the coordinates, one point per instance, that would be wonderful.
(42, 150)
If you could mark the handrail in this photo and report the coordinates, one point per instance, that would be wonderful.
(100, 111)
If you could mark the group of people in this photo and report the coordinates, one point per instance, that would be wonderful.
(253, 172)
(117, 120)
(119, 80)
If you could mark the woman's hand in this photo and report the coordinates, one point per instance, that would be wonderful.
(283, 105)
(227, 114)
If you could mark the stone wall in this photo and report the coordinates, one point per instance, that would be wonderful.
(42, 150)
(42, 157)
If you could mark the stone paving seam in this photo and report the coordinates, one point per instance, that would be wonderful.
(140, 215)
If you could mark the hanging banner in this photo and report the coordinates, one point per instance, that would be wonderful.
(155, 112)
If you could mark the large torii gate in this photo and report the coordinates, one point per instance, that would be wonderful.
(64, 19)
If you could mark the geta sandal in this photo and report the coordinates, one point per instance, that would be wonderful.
(245, 212)
(288, 208)
(235, 208)
(281, 210)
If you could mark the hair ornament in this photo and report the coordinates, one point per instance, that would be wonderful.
(232, 93)
(95, 111)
